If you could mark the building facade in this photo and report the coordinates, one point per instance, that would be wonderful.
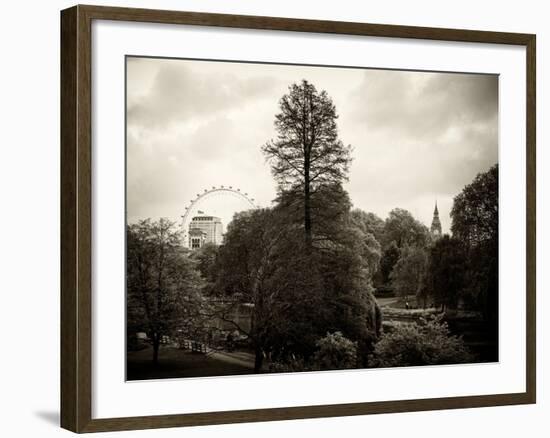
(436, 224)
(205, 229)
(197, 238)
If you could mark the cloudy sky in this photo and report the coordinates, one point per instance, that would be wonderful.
(417, 137)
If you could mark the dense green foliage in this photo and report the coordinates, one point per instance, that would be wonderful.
(299, 294)
(409, 272)
(426, 343)
(449, 272)
(475, 226)
(404, 230)
(390, 256)
(163, 284)
(335, 352)
(446, 273)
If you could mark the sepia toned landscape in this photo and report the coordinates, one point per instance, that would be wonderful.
(286, 218)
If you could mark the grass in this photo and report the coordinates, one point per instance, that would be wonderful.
(175, 363)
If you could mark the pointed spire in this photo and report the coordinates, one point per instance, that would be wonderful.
(436, 224)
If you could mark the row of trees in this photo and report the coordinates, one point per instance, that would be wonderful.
(461, 269)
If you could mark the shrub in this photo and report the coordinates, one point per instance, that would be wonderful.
(335, 352)
(427, 342)
(291, 365)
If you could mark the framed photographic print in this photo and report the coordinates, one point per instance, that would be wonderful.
(270, 218)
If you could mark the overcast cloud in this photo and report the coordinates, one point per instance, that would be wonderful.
(417, 137)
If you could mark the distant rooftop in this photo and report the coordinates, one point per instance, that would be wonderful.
(206, 218)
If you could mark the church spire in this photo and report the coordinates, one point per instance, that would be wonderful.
(436, 224)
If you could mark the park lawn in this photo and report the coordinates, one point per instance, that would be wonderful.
(175, 363)
(386, 301)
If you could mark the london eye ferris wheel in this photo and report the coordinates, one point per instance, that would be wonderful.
(222, 201)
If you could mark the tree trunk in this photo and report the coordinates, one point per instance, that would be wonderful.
(258, 360)
(307, 201)
(156, 345)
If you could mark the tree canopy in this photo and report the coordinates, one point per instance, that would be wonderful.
(408, 274)
(475, 226)
(446, 272)
(307, 153)
(163, 285)
(403, 229)
(475, 210)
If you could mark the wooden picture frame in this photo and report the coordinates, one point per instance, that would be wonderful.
(76, 217)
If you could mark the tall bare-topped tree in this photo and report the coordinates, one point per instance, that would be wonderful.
(307, 153)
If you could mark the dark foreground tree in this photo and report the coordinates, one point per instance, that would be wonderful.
(247, 264)
(307, 153)
(297, 297)
(326, 257)
(475, 226)
(339, 269)
(163, 285)
(475, 210)
(446, 273)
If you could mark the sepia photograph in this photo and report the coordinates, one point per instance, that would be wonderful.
(286, 218)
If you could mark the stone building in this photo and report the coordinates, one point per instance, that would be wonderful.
(435, 229)
(205, 229)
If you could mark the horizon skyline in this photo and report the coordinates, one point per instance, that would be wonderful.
(226, 222)
(418, 137)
